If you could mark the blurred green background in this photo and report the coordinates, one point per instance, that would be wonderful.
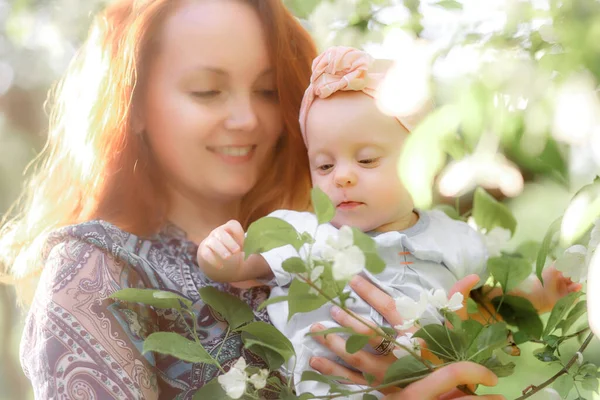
(38, 38)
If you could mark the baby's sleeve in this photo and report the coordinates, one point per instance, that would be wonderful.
(302, 222)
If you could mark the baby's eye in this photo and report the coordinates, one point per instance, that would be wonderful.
(325, 167)
(368, 161)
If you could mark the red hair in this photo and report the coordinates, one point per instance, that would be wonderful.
(95, 167)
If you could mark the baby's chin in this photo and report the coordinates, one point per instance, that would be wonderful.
(363, 224)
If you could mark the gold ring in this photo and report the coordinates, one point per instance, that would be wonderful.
(385, 347)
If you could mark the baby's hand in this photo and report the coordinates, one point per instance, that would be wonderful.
(556, 286)
(223, 247)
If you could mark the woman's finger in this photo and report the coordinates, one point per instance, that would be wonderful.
(331, 368)
(446, 379)
(361, 360)
(364, 328)
(376, 298)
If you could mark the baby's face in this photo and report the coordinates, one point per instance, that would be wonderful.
(353, 150)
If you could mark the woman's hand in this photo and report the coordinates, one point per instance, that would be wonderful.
(441, 384)
(368, 363)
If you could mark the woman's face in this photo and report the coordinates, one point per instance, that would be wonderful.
(210, 112)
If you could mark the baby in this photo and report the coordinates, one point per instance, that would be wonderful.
(353, 149)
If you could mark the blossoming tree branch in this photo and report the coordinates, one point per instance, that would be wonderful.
(507, 321)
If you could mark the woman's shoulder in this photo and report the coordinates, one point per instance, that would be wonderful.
(98, 235)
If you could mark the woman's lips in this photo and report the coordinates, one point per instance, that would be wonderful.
(349, 205)
(233, 154)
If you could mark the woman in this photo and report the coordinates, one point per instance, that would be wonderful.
(160, 128)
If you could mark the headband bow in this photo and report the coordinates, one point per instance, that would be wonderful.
(340, 68)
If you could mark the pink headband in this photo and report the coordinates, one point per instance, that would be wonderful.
(339, 68)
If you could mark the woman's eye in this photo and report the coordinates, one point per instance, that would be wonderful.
(269, 94)
(206, 94)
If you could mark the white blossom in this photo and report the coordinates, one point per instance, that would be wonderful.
(259, 380)
(579, 358)
(495, 240)
(234, 380)
(546, 394)
(411, 310)
(573, 263)
(439, 299)
(348, 260)
(408, 341)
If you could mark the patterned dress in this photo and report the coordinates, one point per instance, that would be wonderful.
(79, 344)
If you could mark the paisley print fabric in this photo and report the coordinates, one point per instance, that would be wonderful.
(80, 344)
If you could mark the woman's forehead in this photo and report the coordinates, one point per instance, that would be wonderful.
(214, 34)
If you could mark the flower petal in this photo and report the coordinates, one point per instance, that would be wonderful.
(345, 237)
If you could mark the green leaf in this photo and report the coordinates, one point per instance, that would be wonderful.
(368, 396)
(405, 367)
(356, 342)
(324, 208)
(294, 265)
(315, 376)
(270, 337)
(340, 329)
(584, 209)
(509, 271)
(269, 233)
(272, 300)
(175, 345)
(427, 138)
(369, 378)
(560, 310)
(441, 341)
(588, 368)
(271, 356)
(300, 300)
(552, 341)
(374, 263)
(152, 297)
(545, 354)
(529, 250)
(472, 306)
(211, 390)
(449, 211)
(521, 337)
(501, 370)
(563, 385)
(454, 319)
(490, 338)
(590, 384)
(471, 330)
(449, 4)
(490, 213)
(520, 312)
(577, 311)
(235, 311)
(545, 248)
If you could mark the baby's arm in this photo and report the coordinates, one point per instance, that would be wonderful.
(543, 297)
(221, 256)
